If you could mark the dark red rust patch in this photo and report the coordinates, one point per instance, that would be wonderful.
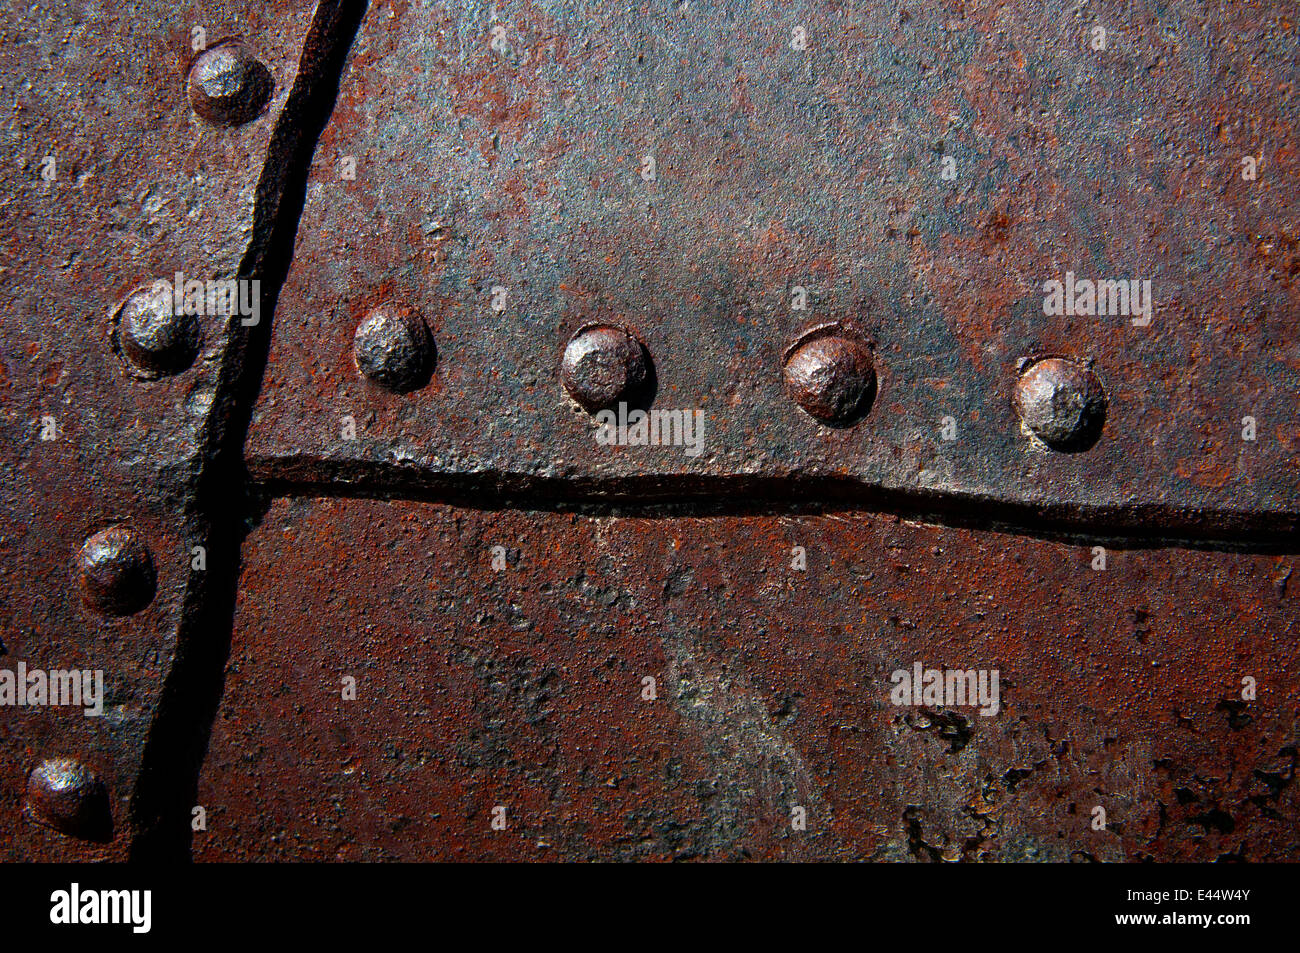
(522, 688)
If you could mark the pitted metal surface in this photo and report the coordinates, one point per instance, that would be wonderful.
(984, 319)
(524, 687)
(684, 172)
(112, 182)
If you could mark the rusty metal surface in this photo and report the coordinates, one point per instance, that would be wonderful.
(519, 166)
(141, 188)
(522, 687)
(515, 216)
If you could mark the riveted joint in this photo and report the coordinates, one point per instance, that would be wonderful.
(115, 572)
(1060, 402)
(604, 365)
(228, 85)
(393, 349)
(153, 337)
(66, 795)
(829, 371)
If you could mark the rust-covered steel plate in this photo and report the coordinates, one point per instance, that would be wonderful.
(693, 430)
(719, 180)
(659, 686)
(134, 150)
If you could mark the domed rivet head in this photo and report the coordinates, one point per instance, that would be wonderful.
(830, 374)
(155, 340)
(1061, 402)
(64, 794)
(228, 85)
(115, 572)
(604, 365)
(392, 348)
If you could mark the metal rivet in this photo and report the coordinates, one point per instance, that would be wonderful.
(115, 572)
(228, 85)
(64, 794)
(1061, 402)
(604, 365)
(152, 336)
(392, 348)
(831, 375)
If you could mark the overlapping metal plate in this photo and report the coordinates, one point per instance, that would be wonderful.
(506, 147)
(523, 687)
(111, 182)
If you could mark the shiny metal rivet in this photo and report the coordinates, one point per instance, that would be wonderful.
(64, 794)
(831, 375)
(115, 572)
(228, 85)
(392, 348)
(604, 365)
(1061, 402)
(152, 336)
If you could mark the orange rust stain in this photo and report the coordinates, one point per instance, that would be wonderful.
(1204, 472)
